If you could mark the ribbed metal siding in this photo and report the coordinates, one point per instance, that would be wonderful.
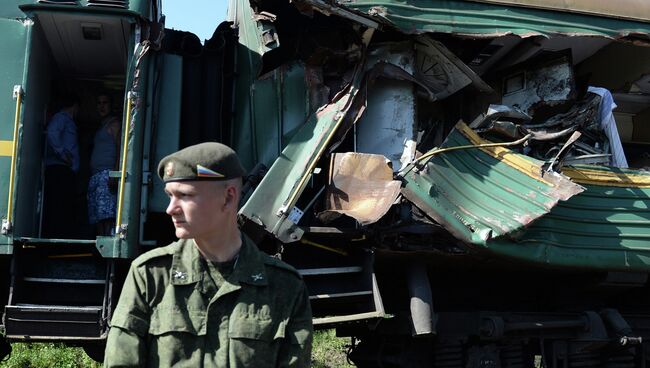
(601, 217)
(602, 228)
(505, 212)
(479, 197)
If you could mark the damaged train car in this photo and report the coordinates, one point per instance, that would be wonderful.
(460, 183)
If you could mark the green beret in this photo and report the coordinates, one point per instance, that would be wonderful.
(204, 161)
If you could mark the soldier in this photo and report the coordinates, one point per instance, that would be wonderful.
(211, 299)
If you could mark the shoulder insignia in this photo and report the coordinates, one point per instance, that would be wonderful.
(178, 275)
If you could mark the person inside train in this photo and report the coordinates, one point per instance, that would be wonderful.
(102, 189)
(61, 167)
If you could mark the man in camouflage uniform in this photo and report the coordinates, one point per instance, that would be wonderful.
(211, 299)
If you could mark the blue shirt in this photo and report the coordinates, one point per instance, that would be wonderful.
(62, 145)
(104, 150)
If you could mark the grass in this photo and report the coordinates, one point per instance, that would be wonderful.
(328, 352)
(37, 355)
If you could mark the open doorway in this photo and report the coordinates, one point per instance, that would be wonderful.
(76, 59)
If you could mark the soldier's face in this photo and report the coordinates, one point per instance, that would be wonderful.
(198, 208)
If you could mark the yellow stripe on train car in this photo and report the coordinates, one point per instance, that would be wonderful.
(6, 148)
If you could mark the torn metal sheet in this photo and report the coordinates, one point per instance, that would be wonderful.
(562, 153)
(328, 9)
(545, 84)
(596, 159)
(497, 112)
(483, 19)
(277, 194)
(583, 113)
(442, 71)
(266, 31)
(627, 9)
(361, 187)
(388, 125)
(550, 136)
(390, 118)
(275, 197)
(486, 193)
(504, 128)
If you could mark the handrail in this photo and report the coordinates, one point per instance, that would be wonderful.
(18, 94)
(125, 130)
(437, 151)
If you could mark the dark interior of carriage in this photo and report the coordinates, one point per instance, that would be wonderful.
(71, 54)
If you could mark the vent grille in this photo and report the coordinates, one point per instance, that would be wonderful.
(122, 4)
(59, 2)
(109, 3)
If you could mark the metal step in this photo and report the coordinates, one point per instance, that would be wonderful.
(342, 287)
(329, 271)
(340, 295)
(25, 240)
(324, 322)
(49, 322)
(64, 281)
(58, 293)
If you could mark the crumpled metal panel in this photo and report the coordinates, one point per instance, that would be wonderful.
(274, 198)
(361, 187)
(605, 227)
(487, 19)
(271, 205)
(482, 194)
(628, 9)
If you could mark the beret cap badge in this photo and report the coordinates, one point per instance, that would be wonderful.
(169, 169)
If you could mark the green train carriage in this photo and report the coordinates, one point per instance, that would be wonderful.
(65, 289)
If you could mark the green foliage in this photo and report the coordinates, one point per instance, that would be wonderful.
(37, 355)
(329, 351)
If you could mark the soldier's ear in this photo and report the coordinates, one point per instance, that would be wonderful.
(230, 194)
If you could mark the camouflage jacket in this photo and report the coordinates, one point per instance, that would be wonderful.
(170, 313)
